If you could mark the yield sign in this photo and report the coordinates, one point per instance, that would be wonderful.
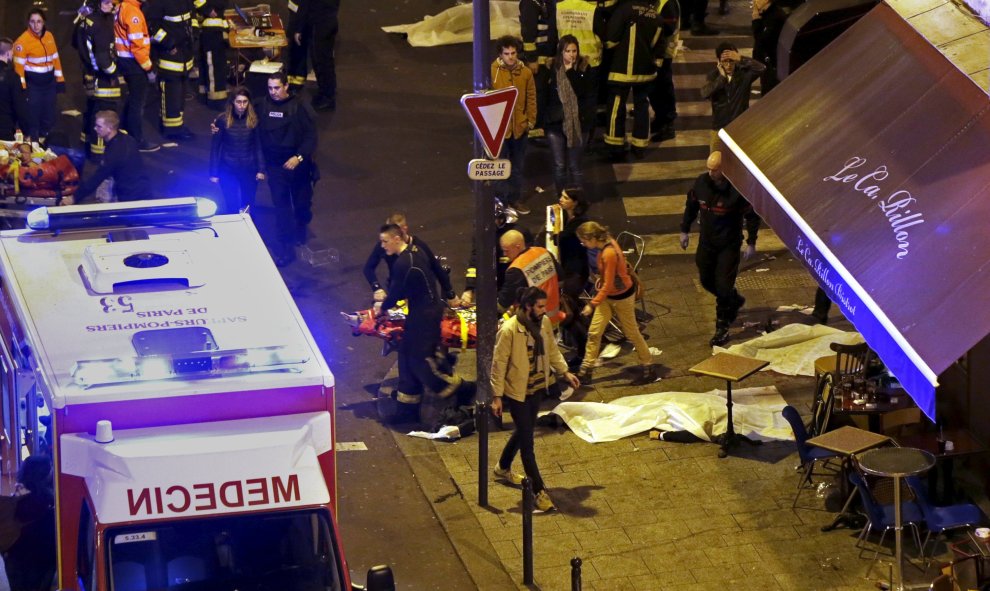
(490, 114)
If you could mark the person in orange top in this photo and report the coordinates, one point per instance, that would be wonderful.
(36, 61)
(616, 296)
(133, 46)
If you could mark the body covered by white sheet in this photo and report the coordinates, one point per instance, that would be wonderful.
(755, 413)
(456, 25)
(793, 349)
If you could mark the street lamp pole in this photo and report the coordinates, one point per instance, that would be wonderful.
(484, 234)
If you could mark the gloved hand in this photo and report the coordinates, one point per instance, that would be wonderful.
(685, 239)
(749, 252)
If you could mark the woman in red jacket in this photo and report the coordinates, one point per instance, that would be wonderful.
(36, 61)
(616, 296)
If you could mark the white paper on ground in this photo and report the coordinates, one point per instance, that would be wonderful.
(456, 25)
(806, 310)
(793, 349)
(445, 432)
(610, 351)
(755, 413)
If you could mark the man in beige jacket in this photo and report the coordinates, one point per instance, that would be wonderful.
(508, 70)
(526, 355)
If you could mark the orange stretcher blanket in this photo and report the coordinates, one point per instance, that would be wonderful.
(458, 328)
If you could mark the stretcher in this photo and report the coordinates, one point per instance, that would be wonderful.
(458, 328)
(31, 177)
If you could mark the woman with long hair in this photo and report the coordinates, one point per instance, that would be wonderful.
(616, 296)
(567, 111)
(36, 61)
(236, 160)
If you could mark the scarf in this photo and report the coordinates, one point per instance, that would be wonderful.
(572, 117)
(533, 328)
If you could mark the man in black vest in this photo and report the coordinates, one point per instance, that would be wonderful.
(288, 140)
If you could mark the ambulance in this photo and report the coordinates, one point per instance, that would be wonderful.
(156, 354)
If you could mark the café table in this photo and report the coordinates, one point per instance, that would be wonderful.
(885, 401)
(847, 441)
(246, 39)
(963, 444)
(896, 463)
(731, 368)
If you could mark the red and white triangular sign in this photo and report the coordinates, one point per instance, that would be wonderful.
(490, 114)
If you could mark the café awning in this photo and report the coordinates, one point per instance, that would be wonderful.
(872, 163)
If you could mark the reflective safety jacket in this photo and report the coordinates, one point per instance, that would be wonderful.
(210, 16)
(585, 21)
(170, 23)
(94, 40)
(36, 58)
(131, 38)
(539, 269)
(636, 39)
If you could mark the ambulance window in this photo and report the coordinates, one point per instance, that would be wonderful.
(85, 558)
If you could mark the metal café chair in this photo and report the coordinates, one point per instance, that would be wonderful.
(881, 517)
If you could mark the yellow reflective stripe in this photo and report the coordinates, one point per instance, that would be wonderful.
(171, 66)
(160, 35)
(112, 68)
(464, 329)
(300, 80)
(639, 143)
(293, 6)
(217, 95)
(214, 22)
(633, 79)
(471, 273)
(107, 92)
(178, 18)
(408, 398)
(199, 3)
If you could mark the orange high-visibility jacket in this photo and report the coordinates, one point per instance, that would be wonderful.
(540, 269)
(131, 34)
(37, 56)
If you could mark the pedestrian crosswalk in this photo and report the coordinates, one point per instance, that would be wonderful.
(652, 191)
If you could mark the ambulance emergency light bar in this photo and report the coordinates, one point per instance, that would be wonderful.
(127, 213)
(195, 365)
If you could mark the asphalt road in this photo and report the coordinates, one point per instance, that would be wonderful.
(398, 141)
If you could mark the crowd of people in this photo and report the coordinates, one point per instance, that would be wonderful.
(127, 46)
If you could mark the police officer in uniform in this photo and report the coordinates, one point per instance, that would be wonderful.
(412, 279)
(723, 211)
(288, 140)
(313, 29)
(170, 24)
(213, 65)
(94, 40)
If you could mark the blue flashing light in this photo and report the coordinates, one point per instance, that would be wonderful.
(129, 213)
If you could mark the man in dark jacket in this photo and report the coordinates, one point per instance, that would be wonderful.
(288, 141)
(13, 106)
(170, 25)
(412, 279)
(313, 28)
(94, 40)
(121, 161)
(728, 87)
(30, 560)
(212, 51)
(723, 211)
(378, 254)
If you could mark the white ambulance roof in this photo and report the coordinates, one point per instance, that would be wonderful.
(204, 468)
(236, 296)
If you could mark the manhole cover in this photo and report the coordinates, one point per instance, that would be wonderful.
(751, 280)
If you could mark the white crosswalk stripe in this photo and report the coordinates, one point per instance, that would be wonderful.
(653, 190)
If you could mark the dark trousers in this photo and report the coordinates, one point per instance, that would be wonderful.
(510, 191)
(298, 66)
(292, 196)
(521, 441)
(137, 93)
(693, 12)
(41, 109)
(103, 96)
(717, 268)
(173, 91)
(417, 370)
(324, 66)
(239, 186)
(662, 96)
(567, 171)
(615, 134)
(213, 65)
(822, 305)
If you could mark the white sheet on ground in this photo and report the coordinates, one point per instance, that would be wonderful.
(755, 413)
(456, 25)
(793, 348)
